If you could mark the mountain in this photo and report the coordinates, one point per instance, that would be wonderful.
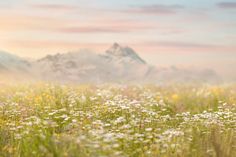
(13, 68)
(73, 67)
(117, 64)
(13, 63)
(124, 54)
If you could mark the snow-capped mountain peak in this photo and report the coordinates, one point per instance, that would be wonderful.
(121, 52)
(116, 50)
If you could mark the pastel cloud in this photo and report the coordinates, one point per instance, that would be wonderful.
(156, 9)
(183, 44)
(60, 25)
(13, 22)
(55, 44)
(184, 47)
(41, 48)
(113, 26)
(82, 24)
(93, 30)
(61, 7)
(158, 46)
(227, 5)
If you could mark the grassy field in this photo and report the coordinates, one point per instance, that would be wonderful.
(46, 120)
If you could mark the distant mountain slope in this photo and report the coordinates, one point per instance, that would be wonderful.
(14, 68)
(77, 67)
(117, 64)
(10, 62)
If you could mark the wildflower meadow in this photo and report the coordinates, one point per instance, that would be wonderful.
(50, 120)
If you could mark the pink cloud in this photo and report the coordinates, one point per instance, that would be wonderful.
(40, 48)
(54, 7)
(90, 29)
(156, 9)
(107, 27)
(44, 44)
(98, 25)
(183, 47)
(10, 22)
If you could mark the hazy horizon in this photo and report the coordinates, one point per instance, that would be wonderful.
(222, 64)
(194, 33)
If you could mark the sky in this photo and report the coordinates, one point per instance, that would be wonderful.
(183, 32)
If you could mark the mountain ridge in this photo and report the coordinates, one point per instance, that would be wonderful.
(117, 64)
